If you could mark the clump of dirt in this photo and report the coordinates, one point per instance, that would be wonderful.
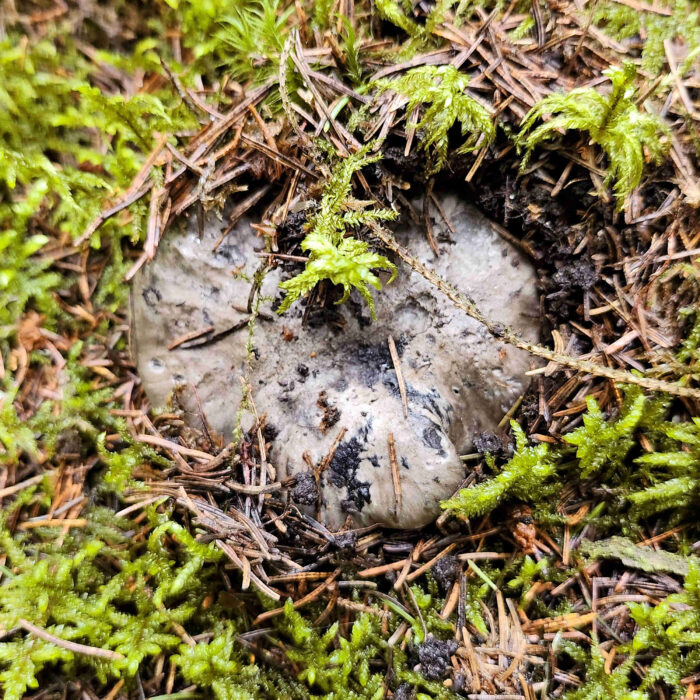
(343, 471)
(434, 657)
(330, 414)
(496, 444)
(446, 571)
(305, 492)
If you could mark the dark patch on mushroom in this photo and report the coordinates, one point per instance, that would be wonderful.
(151, 296)
(432, 439)
(343, 470)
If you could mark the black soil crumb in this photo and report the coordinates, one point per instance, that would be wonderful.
(405, 692)
(446, 571)
(293, 229)
(496, 444)
(578, 274)
(434, 657)
(346, 540)
(305, 492)
(331, 415)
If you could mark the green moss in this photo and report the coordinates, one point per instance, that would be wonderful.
(440, 94)
(599, 684)
(612, 121)
(670, 631)
(667, 479)
(522, 478)
(102, 589)
(333, 255)
(623, 22)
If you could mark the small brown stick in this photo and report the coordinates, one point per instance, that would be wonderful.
(53, 522)
(212, 464)
(127, 200)
(466, 304)
(399, 374)
(137, 189)
(300, 62)
(187, 100)
(477, 163)
(154, 227)
(254, 490)
(269, 139)
(443, 215)
(115, 691)
(395, 475)
(241, 208)
(278, 156)
(302, 601)
(229, 551)
(70, 646)
(299, 576)
(539, 24)
(9, 490)
(173, 447)
(331, 453)
(451, 602)
(401, 579)
(429, 564)
(417, 550)
(189, 336)
(562, 179)
(382, 569)
(426, 219)
(471, 657)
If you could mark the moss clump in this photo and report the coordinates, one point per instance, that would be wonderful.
(129, 601)
(439, 92)
(678, 20)
(665, 479)
(613, 122)
(333, 255)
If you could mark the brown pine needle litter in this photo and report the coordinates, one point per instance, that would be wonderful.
(120, 123)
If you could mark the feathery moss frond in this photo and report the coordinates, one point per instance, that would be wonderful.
(254, 35)
(345, 261)
(676, 474)
(522, 477)
(613, 122)
(600, 683)
(672, 630)
(623, 22)
(605, 443)
(440, 93)
(390, 11)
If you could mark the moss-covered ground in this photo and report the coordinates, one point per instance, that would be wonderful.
(567, 565)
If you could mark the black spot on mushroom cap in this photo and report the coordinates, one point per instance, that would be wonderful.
(343, 468)
(151, 296)
(432, 439)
